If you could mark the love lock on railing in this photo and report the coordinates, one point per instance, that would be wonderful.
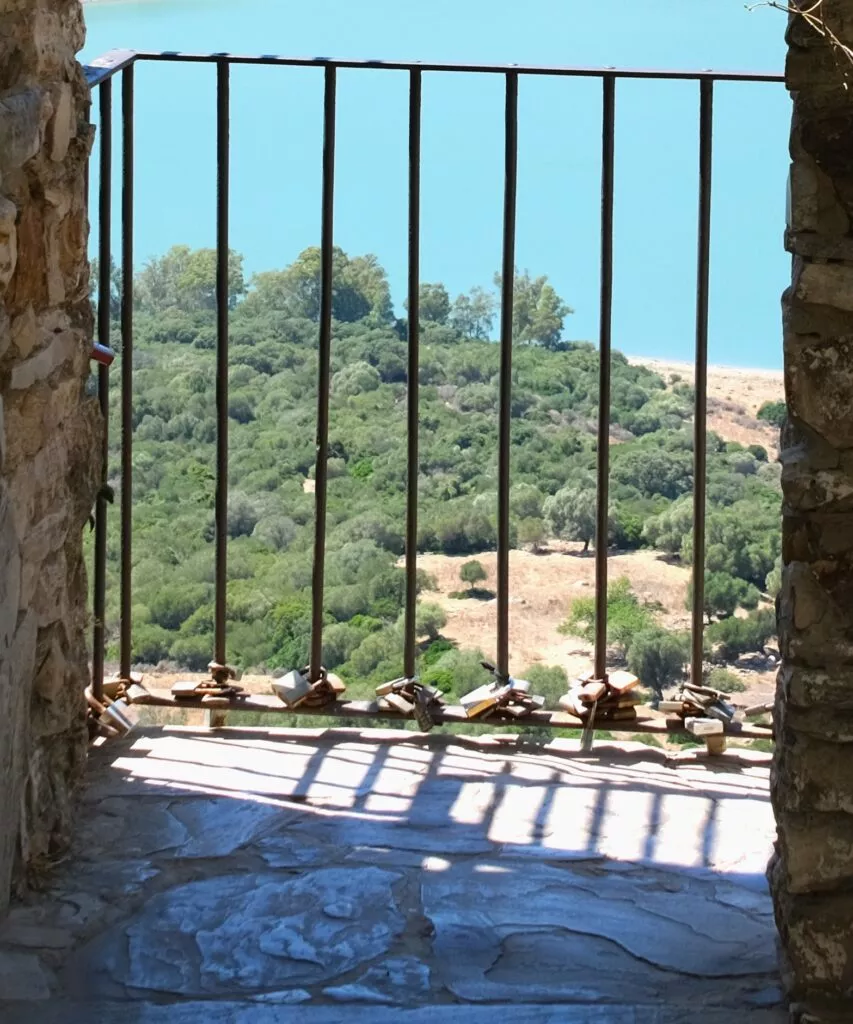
(295, 689)
(411, 697)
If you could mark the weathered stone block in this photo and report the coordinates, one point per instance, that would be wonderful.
(810, 775)
(807, 687)
(816, 851)
(48, 428)
(827, 284)
(23, 116)
(811, 874)
(815, 625)
(819, 943)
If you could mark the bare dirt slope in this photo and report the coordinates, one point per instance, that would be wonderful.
(734, 397)
(542, 588)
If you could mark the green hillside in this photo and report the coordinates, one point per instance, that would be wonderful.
(272, 406)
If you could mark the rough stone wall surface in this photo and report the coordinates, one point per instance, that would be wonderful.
(811, 873)
(48, 428)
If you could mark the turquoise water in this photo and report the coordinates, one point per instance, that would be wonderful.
(276, 149)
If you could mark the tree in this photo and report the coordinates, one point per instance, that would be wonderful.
(571, 513)
(531, 532)
(548, 681)
(626, 616)
(657, 658)
(525, 501)
(773, 580)
(724, 594)
(243, 514)
(472, 573)
(653, 471)
(430, 619)
(356, 378)
(735, 636)
(473, 315)
(359, 288)
(538, 311)
(773, 412)
(185, 279)
(276, 531)
(434, 303)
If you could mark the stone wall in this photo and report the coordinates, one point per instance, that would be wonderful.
(811, 873)
(48, 428)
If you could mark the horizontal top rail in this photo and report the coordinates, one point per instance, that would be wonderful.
(116, 60)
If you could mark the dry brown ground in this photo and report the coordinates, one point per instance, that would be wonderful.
(734, 397)
(542, 588)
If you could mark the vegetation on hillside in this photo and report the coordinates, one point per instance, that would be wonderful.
(272, 409)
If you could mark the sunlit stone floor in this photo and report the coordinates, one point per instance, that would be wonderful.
(247, 876)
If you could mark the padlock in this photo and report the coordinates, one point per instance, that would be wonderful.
(423, 713)
(394, 686)
(572, 703)
(397, 702)
(720, 710)
(119, 715)
(670, 706)
(292, 689)
(136, 694)
(102, 354)
(703, 726)
(484, 699)
(591, 692)
(621, 682)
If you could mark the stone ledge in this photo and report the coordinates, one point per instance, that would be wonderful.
(254, 1013)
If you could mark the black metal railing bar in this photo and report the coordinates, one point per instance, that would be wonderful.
(121, 62)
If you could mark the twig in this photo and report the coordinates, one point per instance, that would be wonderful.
(814, 17)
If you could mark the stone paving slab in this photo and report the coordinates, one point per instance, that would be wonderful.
(410, 876)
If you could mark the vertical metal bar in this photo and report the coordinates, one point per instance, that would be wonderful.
(324, 372)
(126, 368)
(409, 654)
(706, 117)
(505, 408)
(221, 500)
(604, 337)
(105, 110)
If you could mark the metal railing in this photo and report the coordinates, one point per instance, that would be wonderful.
(121, 63)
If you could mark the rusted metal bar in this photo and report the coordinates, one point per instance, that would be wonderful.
(706, 119)
(505, 385)
(125, 638)
(604, 339)
(105, 199)
(103, 68)
(327, 234)
(647, 721)
(414, 311)
(222, 212)
(520, 69)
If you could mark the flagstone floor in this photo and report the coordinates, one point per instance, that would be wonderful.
(249, 876)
